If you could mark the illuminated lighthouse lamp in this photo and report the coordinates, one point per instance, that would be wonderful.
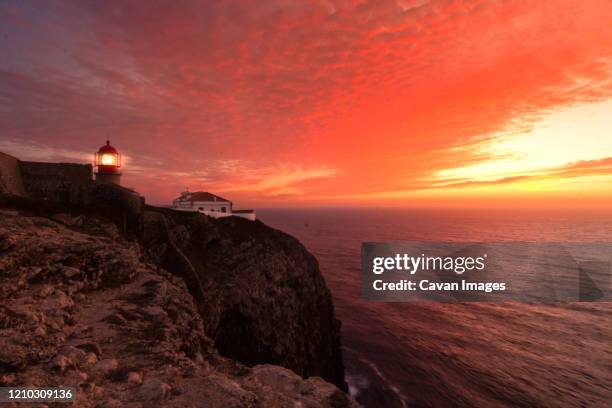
(108, 164)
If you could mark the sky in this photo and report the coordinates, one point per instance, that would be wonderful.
(323, 103)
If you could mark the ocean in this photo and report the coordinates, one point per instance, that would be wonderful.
(422, 354)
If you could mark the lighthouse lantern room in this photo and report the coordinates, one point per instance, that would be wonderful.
(108, 164)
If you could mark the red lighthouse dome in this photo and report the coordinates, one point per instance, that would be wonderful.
(108, 164)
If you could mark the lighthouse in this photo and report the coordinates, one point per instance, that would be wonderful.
(108, 165)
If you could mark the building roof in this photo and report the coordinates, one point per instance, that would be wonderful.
(107, 148)
(201, 196)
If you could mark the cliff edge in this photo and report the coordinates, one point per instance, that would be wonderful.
(81, 305)
(261, 295)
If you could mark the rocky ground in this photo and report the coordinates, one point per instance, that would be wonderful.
(81, 306)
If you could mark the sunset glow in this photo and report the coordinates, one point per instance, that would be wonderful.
(384, 103)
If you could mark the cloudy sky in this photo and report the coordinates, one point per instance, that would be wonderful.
(296, 103)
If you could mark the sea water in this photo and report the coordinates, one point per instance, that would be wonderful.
(472, 354)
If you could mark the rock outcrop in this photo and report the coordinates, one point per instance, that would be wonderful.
(262, 297)
(185, 318)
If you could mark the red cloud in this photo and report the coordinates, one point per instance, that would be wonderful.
(379, 93)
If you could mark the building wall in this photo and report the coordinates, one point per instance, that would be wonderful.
(205, 205)
(66, 183)
(122, 205)
(10, 176)
(218, 214)
(213, 206)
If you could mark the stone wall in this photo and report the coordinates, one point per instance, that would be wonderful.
(66, 183)
(10, 176)
(72, 185)
(120, 204)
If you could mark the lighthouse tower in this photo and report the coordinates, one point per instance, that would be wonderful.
(108, 165)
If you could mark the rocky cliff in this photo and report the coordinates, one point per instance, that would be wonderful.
(189, 315)
(261, 295)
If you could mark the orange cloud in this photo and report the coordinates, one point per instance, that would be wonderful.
(589, 168)
(282, 104)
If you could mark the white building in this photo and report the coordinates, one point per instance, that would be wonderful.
(209, 204)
